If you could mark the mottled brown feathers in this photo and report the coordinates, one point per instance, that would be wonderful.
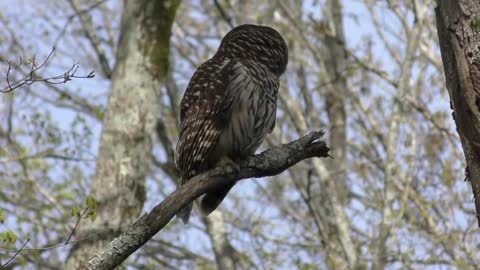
(229, 105)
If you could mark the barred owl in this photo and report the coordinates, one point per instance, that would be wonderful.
(229, 106)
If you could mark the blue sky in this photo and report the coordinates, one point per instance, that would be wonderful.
(358, 27)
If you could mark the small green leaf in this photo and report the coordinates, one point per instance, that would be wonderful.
(90, 202)
(76, 211)
(93, 216)
(9, 237)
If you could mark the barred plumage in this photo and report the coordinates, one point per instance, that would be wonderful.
(229, 106)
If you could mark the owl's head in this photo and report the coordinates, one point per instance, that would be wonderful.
(258, 43)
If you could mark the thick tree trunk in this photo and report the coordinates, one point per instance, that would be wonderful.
(122, 165)
(458, 24)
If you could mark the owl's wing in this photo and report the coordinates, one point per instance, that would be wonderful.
(204, 112)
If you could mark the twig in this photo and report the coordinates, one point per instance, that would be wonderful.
(51, 247)
(76, 225)
(74, 15)
(16, 253)
(31, 77)
(224, 15)
(45, 154)
(91, 35)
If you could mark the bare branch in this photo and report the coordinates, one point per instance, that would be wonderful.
(78, 13)
(92, 36)
(269, 163)
(76, 225)
(52, 246)
(16, 253)
(32, 77)
(224, 14)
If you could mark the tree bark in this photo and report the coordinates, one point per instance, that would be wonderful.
(126, 142)
(458, 24)
(269, 163)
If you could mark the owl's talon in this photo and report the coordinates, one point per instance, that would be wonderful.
(228, 165)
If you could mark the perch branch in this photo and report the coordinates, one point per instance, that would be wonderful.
(269, 163)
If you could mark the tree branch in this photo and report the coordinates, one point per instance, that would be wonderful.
(91, 35)
(268, 163)
(31, 76)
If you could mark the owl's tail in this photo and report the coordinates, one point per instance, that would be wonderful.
(184, 213)
(212, 199)
(208, 204)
